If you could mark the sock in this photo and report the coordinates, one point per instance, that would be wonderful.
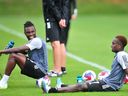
(53, 90)
(64, 85)
(63, 69)
(4, 79)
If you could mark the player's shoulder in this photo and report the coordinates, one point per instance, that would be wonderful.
(37, 39)
(122, 53)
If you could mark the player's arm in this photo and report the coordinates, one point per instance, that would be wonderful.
(65, 9)
(52, 6)
(65, 13)
(74, 7)
(21, 49)
(123, 60)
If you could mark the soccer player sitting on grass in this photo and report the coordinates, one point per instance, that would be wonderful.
(34, 65)
(113, 82)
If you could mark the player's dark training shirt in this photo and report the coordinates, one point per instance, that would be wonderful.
(54, 10)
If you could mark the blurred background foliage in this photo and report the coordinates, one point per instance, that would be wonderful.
(34, 7)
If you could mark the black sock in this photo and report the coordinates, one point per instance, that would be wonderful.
(53, 90)
(63, 69)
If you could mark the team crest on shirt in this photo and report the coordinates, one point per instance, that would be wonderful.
(35, 67)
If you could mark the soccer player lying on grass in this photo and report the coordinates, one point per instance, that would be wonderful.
(112, 82)
(34, 65)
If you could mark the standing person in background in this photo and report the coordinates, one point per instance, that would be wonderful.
(72, 16)
(31, 57)
(55, 16)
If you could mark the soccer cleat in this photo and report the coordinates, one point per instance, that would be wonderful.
(3, 86)
(58, 83)
(45, 79)
(45, 87)
(54, 74)
(64, 72)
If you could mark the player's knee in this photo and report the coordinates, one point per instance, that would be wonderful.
(12, 55)
(55, 44)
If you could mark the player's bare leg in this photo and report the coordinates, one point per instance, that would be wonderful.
(63, 57)
(73, 88)
(13, 60)
(56, 56)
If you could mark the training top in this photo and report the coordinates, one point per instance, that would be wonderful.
(117, 74)
(55, 10)
(38, 53)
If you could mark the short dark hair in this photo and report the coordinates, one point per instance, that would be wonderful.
(122, 39)
(28, 24)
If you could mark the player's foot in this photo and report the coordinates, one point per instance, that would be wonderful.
(64, 72)
(45, 87)
(45, 79)
(3, 86)
(63, 69)
(58, 83)
(54, 74)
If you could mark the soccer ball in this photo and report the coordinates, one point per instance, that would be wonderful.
(43, 79)
(89, 75)
(103, 74)
(126, 79)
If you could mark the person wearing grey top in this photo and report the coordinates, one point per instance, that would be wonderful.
(31, 57)
(113, 82)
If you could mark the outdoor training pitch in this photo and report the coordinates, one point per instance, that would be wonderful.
(89, 40)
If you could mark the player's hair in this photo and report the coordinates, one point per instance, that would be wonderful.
(122, 39)
(28, 24)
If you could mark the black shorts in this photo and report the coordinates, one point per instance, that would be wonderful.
(99, 86)
(30, 69)
(54, 32)
(66, 33)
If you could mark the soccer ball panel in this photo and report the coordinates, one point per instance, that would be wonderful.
(89, 75)
(103, 74)
(126, 79)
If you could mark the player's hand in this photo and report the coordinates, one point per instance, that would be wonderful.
(73, 17)
(62, 23)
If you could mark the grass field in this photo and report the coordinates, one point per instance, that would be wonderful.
(90, 39)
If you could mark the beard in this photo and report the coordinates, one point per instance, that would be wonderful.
(31, 37)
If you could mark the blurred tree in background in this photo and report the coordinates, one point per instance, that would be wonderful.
(34, 7)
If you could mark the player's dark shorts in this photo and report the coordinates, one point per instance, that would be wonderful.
(99, 86)
(66, 32)
(54, 32)
(30, 69)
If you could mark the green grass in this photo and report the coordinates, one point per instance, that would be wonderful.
(34, 7)
(90, 38)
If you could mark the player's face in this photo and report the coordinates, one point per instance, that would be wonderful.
(30, 32)
(115, 46)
